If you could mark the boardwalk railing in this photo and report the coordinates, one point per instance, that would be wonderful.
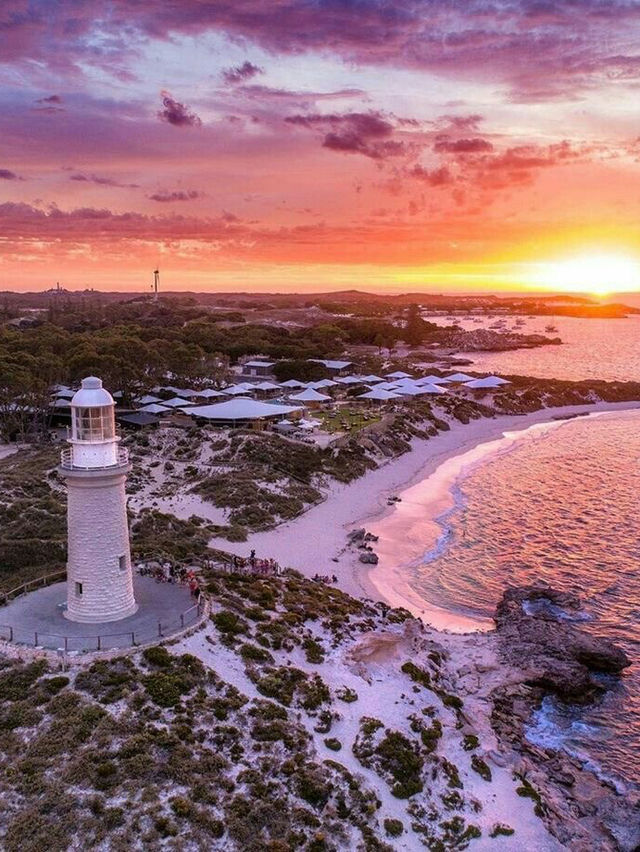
(31, 585)
(103, 641)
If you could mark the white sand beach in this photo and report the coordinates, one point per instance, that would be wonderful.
(406, 530)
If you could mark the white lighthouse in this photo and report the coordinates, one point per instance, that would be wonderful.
(95, 467)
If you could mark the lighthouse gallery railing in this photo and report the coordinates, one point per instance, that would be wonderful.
(66, 460)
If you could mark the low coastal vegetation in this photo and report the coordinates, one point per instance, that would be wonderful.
(244, 736)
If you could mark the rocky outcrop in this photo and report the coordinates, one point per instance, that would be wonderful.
(543, 652)
(550, 651)
(486, 340)
(369, 557)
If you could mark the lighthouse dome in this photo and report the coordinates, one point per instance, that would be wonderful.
(92, 394)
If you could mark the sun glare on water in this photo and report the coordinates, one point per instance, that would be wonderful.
(598, 274)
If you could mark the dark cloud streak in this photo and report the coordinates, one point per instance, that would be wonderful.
(177, 114)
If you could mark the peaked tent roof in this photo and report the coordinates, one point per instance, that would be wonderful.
(310, 395)
(431, 380)
(237, 390)
(267, 386)
(176, 402)
(432, 389)
(350, 380)
(459, 377)
(411, 390)
(293, 383)
(378, 394)
(210, 393)
(154, 408)
(487, 382)
(387, 385)
(397, 375)
(323, 383)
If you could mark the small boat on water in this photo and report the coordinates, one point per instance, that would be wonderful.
(550, 328)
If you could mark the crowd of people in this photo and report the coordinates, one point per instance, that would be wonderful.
(253, 565)
(324, 578)
(169, 573)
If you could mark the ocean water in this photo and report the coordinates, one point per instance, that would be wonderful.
(564, 506)
(591, 349)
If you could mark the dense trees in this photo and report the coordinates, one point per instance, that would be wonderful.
(134, 345)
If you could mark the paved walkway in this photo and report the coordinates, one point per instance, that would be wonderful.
(37, 618)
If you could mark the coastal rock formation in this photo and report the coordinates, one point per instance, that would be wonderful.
(369, 558)
(485, 340)
(542, 652)
(553, 653)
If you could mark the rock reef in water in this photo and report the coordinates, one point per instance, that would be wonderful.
(544, 653)
(553, 653)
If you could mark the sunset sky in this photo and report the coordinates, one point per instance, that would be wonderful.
(319, 144)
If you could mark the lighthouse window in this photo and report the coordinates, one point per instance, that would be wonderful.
(78, 589)
(123, 563)
(94, 424)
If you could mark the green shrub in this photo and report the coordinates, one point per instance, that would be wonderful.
(393, 827)
(313, 650)
(314, 692)
(255, 654)
(346, 694)
(416, 674)
(312, 787)
(181, 807)
(452, 701)
(16, 681)
(55, 684)
(157, 656)
(470, 742)
(165, 827)
(267, 711)
(500, 829)
(399, 757)
(281, 683)
(431, 735)
(229, 623)
(452, 773)
(482, 768)
(333, 744)
(164, 689)
(108, 680)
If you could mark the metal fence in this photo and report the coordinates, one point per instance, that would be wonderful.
(31, 585)
(102, 641)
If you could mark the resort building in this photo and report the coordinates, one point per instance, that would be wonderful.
(245, 412)
(337, 368)
(258, 368)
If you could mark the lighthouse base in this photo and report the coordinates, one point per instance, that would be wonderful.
(38, 619)
(100, 618)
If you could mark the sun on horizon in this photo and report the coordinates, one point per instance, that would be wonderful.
(598, 274)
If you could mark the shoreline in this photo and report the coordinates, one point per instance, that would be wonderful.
(315, 542)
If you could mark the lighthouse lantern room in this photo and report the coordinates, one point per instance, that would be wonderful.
(95, 467)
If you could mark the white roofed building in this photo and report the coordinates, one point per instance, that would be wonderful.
(335, 367)
(488, 383)
(244, 412)
(258, 367)
(311, 398)
(459, 377)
